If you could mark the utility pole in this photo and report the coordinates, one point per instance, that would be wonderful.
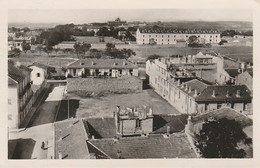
(68, 107)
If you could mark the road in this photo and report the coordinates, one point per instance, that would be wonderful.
(47, 110)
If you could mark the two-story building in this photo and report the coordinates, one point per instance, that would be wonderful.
(19, 93)
(101, 68)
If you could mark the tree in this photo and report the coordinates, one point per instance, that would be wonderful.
(48, 49)
(128, 53)
(222, 42)
(193, 40)
(220, 139)
(110, 46)
(26, 46)
(39, 48)
(77, 48)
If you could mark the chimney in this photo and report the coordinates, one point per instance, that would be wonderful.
(60, 155)
(238, 93)
(179, 82)
(168, 130)
(124, 63)
(213, 94)
(93, 137)
(182, 85)
(227, 95)
(115, 63)
(150, 113)
(189, 89)
(186, 87)
(195, 93)
(92, 63)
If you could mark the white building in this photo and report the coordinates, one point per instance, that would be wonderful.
(164, 36)
(20, 95)
(101, 67)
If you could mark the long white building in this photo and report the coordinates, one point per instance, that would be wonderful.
(164, 36)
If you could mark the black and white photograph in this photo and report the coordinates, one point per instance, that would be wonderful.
(129, 83)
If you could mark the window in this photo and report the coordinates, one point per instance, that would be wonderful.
(9, 101)
(168, 35)
(10, 117)
(137, 123)
(162, 35)
(143, 35)
(149, 35)
(38, 74)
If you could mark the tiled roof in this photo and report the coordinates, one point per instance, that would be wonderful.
(100, 127)
(73, 145)
(43, 66)
(102, 63)
(175, 122)
(224, 113)
(221, 93)
(18, 72)
(194, 84)
(177, 31)
(152, 146)
(232, 72)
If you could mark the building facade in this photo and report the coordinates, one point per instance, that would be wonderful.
(101, 68)
(20, 95)
(166, 36)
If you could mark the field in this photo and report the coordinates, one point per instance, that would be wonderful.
(105, 106)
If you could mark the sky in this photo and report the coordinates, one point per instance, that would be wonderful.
(149, 15)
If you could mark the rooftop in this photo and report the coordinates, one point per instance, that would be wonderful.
(152, 146)
(175, 122)
(100, 127)
(102, 63)
(228, 113)
(70, 140)
(177, 31)
(225, 93)
(232, 72)
(43, 66)
(17, 72)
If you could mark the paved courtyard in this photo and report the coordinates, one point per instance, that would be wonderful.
(105, 106)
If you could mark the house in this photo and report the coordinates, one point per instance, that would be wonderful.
(17, 43)
(20, 94)
(182, 95)
(217, 96)
(39, 74)
(101, 68)
(246, 78)
(133, 121)
(166, 36)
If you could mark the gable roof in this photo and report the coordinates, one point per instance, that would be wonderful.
(17, 72)
(152, 146)
(102, 63)
(221, 93)
(175, 122)
(194, 84)
(250, 71)
(163, 30)
(223, 113)
(43, 66)
(232, 72)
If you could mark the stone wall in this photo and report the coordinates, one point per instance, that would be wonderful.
(94, 86)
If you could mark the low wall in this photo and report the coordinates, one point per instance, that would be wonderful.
(94, 86)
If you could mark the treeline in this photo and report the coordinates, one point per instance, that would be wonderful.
(232, 33)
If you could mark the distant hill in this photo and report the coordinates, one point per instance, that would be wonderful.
(219, 25)
(33, 25)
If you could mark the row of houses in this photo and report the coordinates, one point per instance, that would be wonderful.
(185, 83)
(24, 86)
